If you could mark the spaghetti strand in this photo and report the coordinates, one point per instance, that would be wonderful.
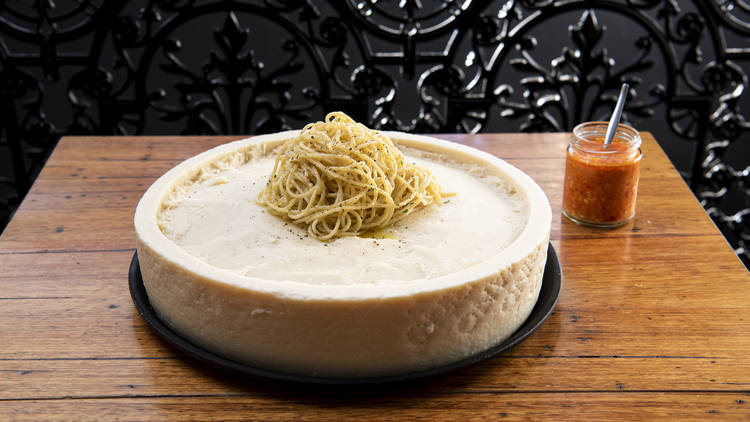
(339, 178)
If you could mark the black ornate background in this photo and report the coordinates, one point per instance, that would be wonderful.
(242, 67)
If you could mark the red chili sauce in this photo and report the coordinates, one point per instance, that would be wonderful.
(601, 190)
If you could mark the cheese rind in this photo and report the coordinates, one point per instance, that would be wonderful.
(347, 329)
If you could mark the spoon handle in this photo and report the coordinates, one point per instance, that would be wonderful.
(615, 119)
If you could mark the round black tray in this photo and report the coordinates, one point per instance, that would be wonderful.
(551, 286)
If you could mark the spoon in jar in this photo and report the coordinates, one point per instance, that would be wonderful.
(615, 119)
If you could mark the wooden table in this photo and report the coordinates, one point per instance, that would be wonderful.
(652, 321)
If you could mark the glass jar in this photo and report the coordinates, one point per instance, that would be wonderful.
(601, 181)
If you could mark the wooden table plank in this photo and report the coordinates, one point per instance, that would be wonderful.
(650, 324)
(461, 407)
(61, 200)
(60, 378)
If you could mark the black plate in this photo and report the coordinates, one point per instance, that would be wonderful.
(551, 286)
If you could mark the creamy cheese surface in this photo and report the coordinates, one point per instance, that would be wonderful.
(215, 219)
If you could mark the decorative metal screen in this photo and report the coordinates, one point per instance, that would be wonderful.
(243, 67)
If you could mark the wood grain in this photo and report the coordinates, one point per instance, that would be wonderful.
(461, 407)
(651, 323)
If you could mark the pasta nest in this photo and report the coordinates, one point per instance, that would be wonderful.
(339, 178)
